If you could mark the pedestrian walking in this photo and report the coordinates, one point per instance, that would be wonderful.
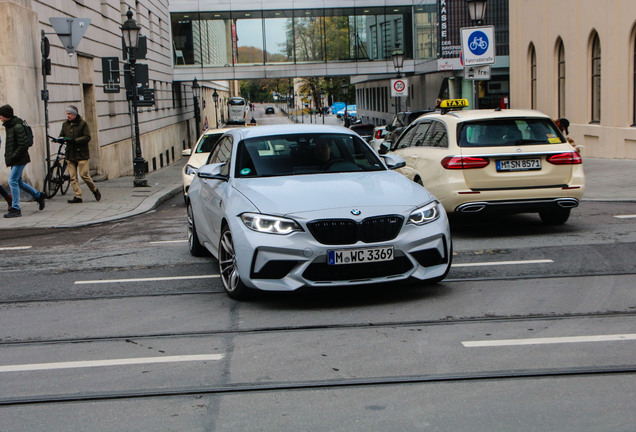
(563, 124)
(6, 195)
(75, 131)
(16, 156)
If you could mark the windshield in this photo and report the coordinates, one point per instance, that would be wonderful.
(304, 154)
(508, 132)
(206, 144)
(236, 101)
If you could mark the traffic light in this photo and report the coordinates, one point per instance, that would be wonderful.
(45, 48)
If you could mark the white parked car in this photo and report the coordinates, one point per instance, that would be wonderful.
(377, 138)
(287, 206)
(198, 155)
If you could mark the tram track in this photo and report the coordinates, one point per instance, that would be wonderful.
(327, 384)
(321, 327)
(220, 290)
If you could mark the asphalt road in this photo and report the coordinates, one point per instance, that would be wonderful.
(116, 327)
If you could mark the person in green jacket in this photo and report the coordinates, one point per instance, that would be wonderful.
(16, 156)
(75, 131)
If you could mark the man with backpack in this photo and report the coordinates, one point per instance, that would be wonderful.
(16, 156)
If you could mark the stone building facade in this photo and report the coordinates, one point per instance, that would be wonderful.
(577, 59)
(165, 128)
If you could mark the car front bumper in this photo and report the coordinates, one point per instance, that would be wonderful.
(285, 263)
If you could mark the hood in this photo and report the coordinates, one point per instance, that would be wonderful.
(379, 192)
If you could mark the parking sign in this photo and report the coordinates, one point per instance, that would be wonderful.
(478, 45)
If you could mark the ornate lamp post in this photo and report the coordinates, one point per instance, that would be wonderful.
(322, 108)
(345, 92)
(215, 98)
(477, 10)
(196, 93)
(398, 62)
(130, 32)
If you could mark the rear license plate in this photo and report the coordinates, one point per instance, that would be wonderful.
(358, 256)
(519, 165)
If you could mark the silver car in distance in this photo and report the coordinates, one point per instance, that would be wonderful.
(290, 206)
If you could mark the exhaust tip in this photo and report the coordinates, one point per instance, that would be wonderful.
(568, 203)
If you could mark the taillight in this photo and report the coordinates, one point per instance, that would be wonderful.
(567, 158)
(378, 134)
(464, 162)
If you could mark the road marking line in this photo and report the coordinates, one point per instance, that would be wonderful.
(625, 216)
(112, 362)
(551, 340)
(496, 263)
(12, 248)
(168, 241)
(153, 279)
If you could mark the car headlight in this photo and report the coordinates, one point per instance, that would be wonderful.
(190, 170)
(426, 214)
(269, 224)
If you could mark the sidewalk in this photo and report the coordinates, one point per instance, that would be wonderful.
(607, 180)
(119, 200)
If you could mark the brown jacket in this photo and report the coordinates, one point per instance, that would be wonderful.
(79, 135)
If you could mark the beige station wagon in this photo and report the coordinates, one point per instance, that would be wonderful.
(506, 161)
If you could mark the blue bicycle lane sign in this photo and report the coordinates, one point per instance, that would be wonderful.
(478, 45)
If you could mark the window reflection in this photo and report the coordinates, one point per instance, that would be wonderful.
(249, 37)
(299, 36)
(279, 36)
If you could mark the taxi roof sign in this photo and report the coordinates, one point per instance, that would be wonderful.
(454, 103)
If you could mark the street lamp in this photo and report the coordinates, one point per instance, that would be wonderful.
(130, 33)
(345, 92)
(196, 93)
(477, 10)
(398, 62)
(322, 108)
(215, 98)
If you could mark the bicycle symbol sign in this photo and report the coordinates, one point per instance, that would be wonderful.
(478, 43)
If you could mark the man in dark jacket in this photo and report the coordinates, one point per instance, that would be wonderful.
(75, 131)
(16, 156)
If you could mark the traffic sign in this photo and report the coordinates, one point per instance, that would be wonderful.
(70, 31)
(478, 45)
(477, 72)
(399, 87)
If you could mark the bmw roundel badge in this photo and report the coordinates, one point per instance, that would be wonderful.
(355, 212)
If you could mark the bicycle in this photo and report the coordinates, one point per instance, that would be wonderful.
(57, 177)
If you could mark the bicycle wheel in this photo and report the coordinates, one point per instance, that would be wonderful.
(52, 180)
(65, 179)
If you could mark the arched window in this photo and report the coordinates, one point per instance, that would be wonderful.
(561, 78)
(634, 86)
(596, 79)
(533, 77)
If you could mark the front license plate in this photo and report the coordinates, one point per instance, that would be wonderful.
(358, 256)
(519, 165)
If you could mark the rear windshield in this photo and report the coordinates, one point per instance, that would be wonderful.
(508, 132)
(206, 145)
(233, 101)
(284, 155)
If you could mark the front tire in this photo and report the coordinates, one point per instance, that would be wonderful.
(52, 181)
(554, 217)
(228, 268)
(196, 248)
